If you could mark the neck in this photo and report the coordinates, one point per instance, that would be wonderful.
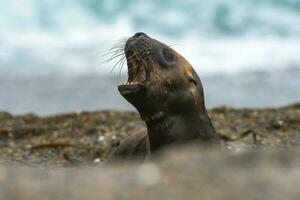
(165, 129)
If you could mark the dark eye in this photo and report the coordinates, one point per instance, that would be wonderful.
(168, 55)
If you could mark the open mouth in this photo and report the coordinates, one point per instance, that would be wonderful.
(136, 71)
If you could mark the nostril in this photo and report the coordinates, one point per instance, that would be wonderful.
(139, 34)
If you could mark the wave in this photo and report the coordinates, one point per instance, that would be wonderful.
(175, 17)
(216, 36)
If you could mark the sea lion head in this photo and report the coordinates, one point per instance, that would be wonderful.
(160, 80)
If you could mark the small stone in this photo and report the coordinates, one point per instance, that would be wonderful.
(280, 122)
(28, 146)
(101, 138)
(97, 160)
(237, 149)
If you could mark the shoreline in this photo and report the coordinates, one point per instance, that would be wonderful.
(58, 93)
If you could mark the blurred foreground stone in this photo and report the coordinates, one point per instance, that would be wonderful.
(182, 174)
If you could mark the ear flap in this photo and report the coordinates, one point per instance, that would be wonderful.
(199, 87)
(191, 78)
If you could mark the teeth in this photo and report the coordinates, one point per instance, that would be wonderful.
(130, 83)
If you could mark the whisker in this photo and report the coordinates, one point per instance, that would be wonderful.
(114, 56)
(117, 64)
(120, 72)
(122, 64)
(113, 53)
(117, 47)
(121, 41)
(115, 50)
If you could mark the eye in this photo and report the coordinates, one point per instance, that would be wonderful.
(168, 55)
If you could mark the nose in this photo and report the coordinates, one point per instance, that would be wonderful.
(139, 34)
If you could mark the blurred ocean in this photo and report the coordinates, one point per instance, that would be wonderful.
(247, 52)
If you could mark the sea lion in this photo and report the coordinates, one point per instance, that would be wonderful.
(168, 94)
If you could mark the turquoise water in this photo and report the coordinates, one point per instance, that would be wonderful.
(221, 38)
(170, 17)
(71, 35)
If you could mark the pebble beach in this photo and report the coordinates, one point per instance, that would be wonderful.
(87, 137)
